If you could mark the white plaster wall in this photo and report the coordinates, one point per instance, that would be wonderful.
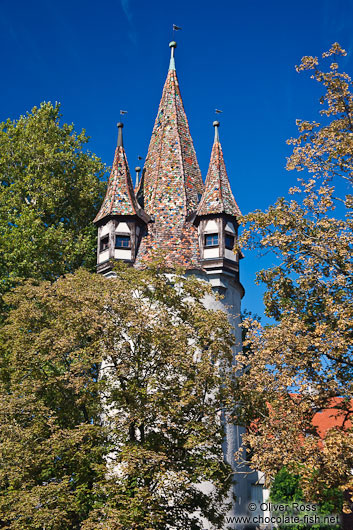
(229, 254)
(105, 229)
(211, 252)
(122, 253)
(123, 227)
(211, 226)
(103, 256)
(230, 304)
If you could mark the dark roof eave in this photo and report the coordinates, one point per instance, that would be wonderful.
(140, 215)
(198, 217)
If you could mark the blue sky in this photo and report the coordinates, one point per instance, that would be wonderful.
(239, 56)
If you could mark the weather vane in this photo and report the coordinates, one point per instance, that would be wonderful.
(176, 28)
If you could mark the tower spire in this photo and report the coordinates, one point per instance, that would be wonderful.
(120, 197)
(171, 179)
(217, 197)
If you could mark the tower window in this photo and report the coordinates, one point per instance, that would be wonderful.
(211, 240)
(104, 243)
(229, 241)
(122, 241)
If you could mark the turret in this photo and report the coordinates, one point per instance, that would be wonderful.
(216, 218)
(121, 222)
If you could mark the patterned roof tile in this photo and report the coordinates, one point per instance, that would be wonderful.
(120, 197)
(217, 197)
(171, 181)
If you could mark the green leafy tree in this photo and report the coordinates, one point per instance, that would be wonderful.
(50, 191)
(111, 392)
(285, 489)
(302, 364)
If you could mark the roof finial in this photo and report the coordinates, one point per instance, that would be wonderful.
(120, 134)
(137, 169)
(172, 46)
(216, 133)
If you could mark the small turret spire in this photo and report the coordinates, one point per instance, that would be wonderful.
(172, 46)
(120, 134)
(217, 197)
(120, 197)
(216, 132)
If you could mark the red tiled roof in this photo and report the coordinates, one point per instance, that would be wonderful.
(336, 415)
(332, 417)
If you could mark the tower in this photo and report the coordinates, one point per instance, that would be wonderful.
(196, 225)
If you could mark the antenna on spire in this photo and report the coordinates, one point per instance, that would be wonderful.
(216, 132)
(172, 46)
(120, 134)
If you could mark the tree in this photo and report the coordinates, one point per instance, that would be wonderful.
(286, 489)
(111, 396)
(49, 194)
(302, 364)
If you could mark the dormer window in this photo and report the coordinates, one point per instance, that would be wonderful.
(122, 241)
(104, 244)
(211, 240)
(229, 241)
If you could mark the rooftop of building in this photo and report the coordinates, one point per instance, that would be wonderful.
(170, 191)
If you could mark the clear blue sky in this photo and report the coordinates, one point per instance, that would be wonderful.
(239, 56)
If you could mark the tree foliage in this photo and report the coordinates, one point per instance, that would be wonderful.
(50, 190)
(110, 395)
(285, 489)
(302, 364)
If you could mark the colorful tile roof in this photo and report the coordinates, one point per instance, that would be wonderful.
(170, 185)
(217, 197)
(171, 180)
(180, 246)
(120, 197)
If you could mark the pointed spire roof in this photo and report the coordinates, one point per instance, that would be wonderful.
(171, 181)
(120, 197)
(217, 197)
